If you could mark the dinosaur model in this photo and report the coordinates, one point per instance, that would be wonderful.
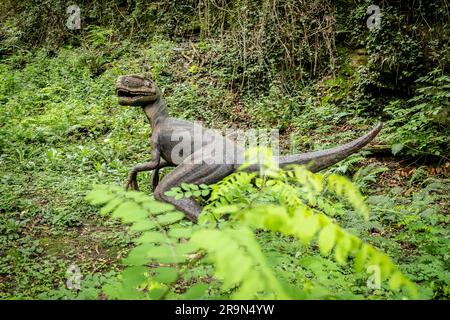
(139, 91)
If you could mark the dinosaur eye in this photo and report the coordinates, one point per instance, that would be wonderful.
(147, 83)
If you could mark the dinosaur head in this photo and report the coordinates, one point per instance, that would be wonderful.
(136, 90)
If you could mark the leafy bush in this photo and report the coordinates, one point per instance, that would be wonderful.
(294, 203)
(411, 39)
(421, 124)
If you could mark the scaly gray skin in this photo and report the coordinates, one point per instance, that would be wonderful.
(135, 90)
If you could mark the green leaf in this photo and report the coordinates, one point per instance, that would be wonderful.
(170, 218)
(224, 209)
(185, 186)
(361, 257)
(100, 196)
(134, 276)
(138, 256)
(197, 193)
(156, 207)
(327, 238)
(117, 290)
(396, 148)
(173, 192)
(395, 281)
(130, 293)
(112, 289)
(180, 232)
(142, 225)
(152, 237)
(307, 228)
(156, 293)
(195, 292)
(138, 196)
(342, 249)
(164, 254)
(186, 248)
(165, 274)
(129, 211)
(110, 206)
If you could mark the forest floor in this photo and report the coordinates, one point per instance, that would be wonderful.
(62, 131)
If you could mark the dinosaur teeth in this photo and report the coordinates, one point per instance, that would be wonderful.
(128, 94)
(124, 93)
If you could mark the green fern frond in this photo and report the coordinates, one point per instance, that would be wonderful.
(294, 202)
(239, 263)
(159, 243)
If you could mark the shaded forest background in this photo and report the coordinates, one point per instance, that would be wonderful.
(286, 44)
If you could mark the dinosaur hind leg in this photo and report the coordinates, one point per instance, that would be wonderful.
(190, 173)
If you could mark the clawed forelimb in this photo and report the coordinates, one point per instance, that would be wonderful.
(149, 166)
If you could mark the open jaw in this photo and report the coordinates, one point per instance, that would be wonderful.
(123, 93)
(135, 97)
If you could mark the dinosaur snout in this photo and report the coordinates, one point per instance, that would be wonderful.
(119, 81)
(129, 81)
(137, 82)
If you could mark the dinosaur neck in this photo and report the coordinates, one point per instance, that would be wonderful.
(156, 112)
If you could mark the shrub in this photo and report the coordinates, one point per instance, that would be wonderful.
(295, 203)
(420, 126)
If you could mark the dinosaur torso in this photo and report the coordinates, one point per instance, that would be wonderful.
(179, 139)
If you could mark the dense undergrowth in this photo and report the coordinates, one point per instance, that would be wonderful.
(61, 131)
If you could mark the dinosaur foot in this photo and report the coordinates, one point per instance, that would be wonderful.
(132, 183)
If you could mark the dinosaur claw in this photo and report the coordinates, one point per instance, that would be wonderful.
(132, 184)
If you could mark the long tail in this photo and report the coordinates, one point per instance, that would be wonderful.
(318, 160)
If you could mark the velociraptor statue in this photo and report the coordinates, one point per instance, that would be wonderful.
(135, 90)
